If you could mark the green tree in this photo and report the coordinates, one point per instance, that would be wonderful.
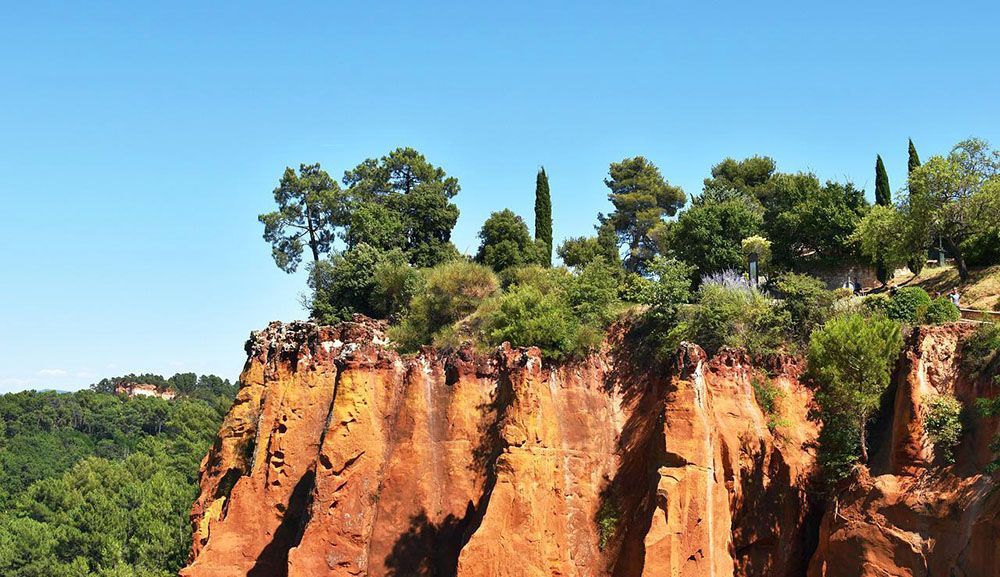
(807, 221)
(850, 363)
(543, 217)
(883, 236)
(956, 197)
(883, 197)
(807, 301)
(913, 160)
(505, 242)
(709, 235)
(915, 262)
(642, 198)
(669, 290)
(577, 252)
(731, 178)
(417, 214)
(306, 216)
(346, 284)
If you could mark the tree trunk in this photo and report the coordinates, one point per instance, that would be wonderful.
(956, 253)
(312, 235)
(864, 443)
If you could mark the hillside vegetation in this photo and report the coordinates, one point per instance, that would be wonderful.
(94, 483)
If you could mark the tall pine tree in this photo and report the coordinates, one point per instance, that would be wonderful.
(543, 218)
(915, 264)
(883, 197)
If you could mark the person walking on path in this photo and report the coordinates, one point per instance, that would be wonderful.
(954, 296)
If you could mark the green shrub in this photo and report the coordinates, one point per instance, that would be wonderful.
(981, 348)
(849, 363)
(525, 316)
(807, 301)
(876, 304)
(395, 283)
(943, 424)
(346, 284)
(940, 311)
(991, 408)
(737, 317)
(608, 518)
(769, 396)
(841, 293)
(905, 305)
(632, 287)
(453, 291)
(669, 289)
(593, 294)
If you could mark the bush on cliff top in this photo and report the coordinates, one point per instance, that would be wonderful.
(939, 311)
(737, 317)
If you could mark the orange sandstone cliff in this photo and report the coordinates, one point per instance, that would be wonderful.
(910, 514)
(339, 457)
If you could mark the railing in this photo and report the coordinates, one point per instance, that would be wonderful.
(980, 316)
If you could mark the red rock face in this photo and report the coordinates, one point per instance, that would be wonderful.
(341, 458)
(911, 514)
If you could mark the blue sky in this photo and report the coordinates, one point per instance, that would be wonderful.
(138, 143)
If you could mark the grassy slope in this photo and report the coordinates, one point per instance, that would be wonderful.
(982, 291)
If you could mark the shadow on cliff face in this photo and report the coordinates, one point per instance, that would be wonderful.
(428, 549)
(642, 385)
(273, 560)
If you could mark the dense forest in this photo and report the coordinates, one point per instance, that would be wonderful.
(98, 483)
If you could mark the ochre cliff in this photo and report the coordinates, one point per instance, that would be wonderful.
(340, 457)
(910, 514)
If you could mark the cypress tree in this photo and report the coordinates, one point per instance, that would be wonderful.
(914, 161)
(916, 263)
(543, 217)
(883, 196)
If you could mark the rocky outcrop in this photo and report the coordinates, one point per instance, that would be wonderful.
(339, 457)
(911, 514)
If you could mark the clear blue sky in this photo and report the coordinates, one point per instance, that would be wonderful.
(139, 143)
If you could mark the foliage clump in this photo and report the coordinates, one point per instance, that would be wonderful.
(981, 348)
(769, 397)
(940, 311)
(943, 424)
(451, 292)
(905, 306)
(736, 316)
(806, 300)
(849, 362)
(608, 519)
